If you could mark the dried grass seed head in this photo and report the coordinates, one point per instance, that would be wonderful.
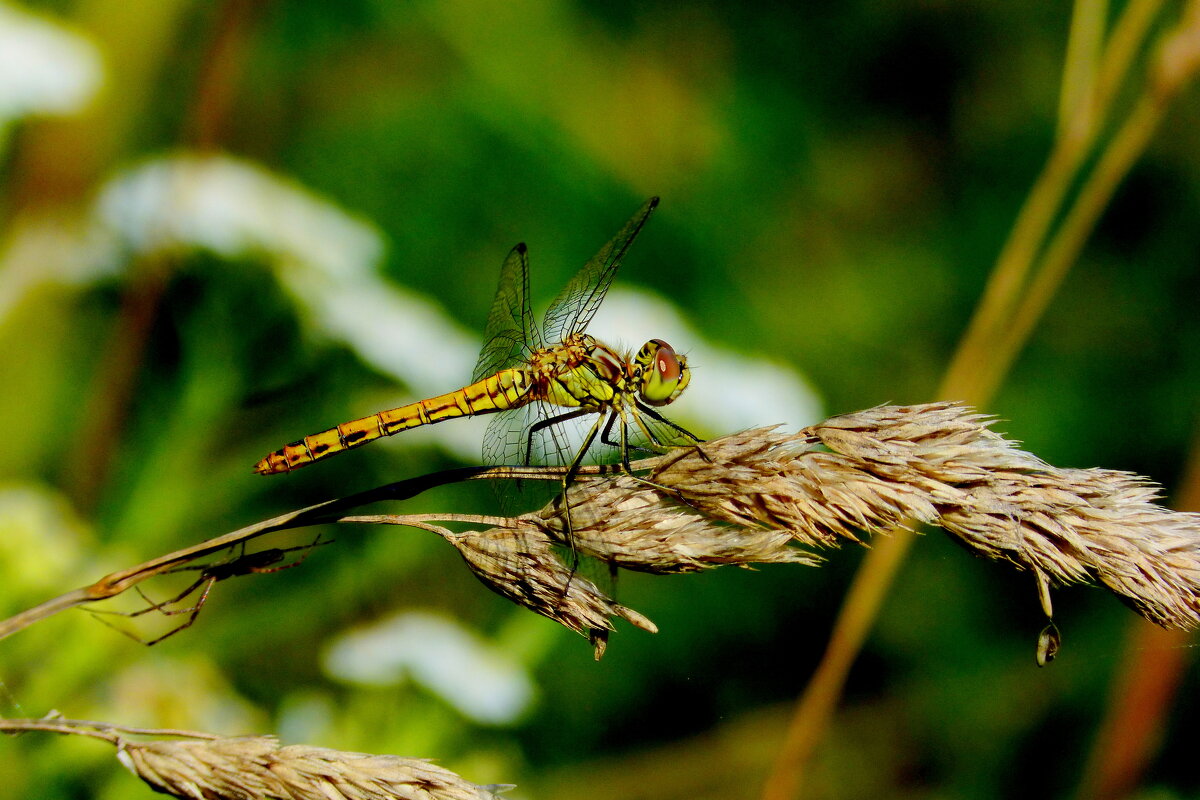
(627, 523)
(940, 464)
(254, 767)
(520, 563)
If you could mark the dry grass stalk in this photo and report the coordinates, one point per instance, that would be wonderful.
(628, 524)
(254, 767)
(623, 522)
(940, 464)
(748, 498)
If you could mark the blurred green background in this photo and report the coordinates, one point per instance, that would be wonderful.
(229, 224)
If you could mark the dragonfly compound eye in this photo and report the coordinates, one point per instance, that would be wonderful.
(664, 373)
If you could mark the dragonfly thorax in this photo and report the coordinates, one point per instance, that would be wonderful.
(657, 374)
(582, 371)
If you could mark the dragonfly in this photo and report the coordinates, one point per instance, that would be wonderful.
(536, 378)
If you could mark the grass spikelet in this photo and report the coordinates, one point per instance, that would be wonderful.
(631, 525)
(520, 563)
(896, 466)
(257, 767)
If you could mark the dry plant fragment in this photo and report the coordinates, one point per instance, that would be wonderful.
(741, 499)
(629, 525)
(750, 497)
(520, 563)
(764, 479)
(894, 466)
(621, 522)
(253, 767)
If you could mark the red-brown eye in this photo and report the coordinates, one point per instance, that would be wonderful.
(664, 374)
(666, 362)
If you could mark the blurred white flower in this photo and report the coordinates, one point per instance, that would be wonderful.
(328, 260)
(44, 68)
(475, 677)
(236, 208)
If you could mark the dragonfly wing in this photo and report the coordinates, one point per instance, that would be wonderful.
(521, 436)
(575, 306)
(506, 443)
(510, 333)
(503, 444)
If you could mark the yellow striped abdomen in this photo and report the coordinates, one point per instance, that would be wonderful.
(506, 389)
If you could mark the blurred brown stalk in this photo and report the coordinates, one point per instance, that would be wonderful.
(1028, 271)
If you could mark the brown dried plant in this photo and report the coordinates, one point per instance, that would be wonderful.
(754, 497)
(940, 464)
(763, 496)
(199, 766)
(751, 497)
(257, 766)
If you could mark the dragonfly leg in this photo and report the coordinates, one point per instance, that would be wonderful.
(606, 434)
(623, 446)
(546, 423)
(650, 412)
(572, 470)
(677, 494)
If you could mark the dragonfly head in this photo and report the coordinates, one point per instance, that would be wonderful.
(662, 372)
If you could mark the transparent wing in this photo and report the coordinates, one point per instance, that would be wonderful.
(508, 441)
(575, 306)
(526, 435)
(520, 436)
(536, 433)
(504, 442)
(511, 332)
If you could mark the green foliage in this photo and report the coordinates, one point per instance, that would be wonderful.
(836, 179)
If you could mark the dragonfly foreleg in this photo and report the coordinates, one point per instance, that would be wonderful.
(546, 423)
(573, 470)
(622, 446)
(650, 412)
(676, 493)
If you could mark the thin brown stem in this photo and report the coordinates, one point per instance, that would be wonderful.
(1076, 109)
(820, 697)
(964, 379)
(1011, 303)
(111, 394)
(329, 511)
(54, 726)
(1064, 248)
(99, 730)
(421, 520)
